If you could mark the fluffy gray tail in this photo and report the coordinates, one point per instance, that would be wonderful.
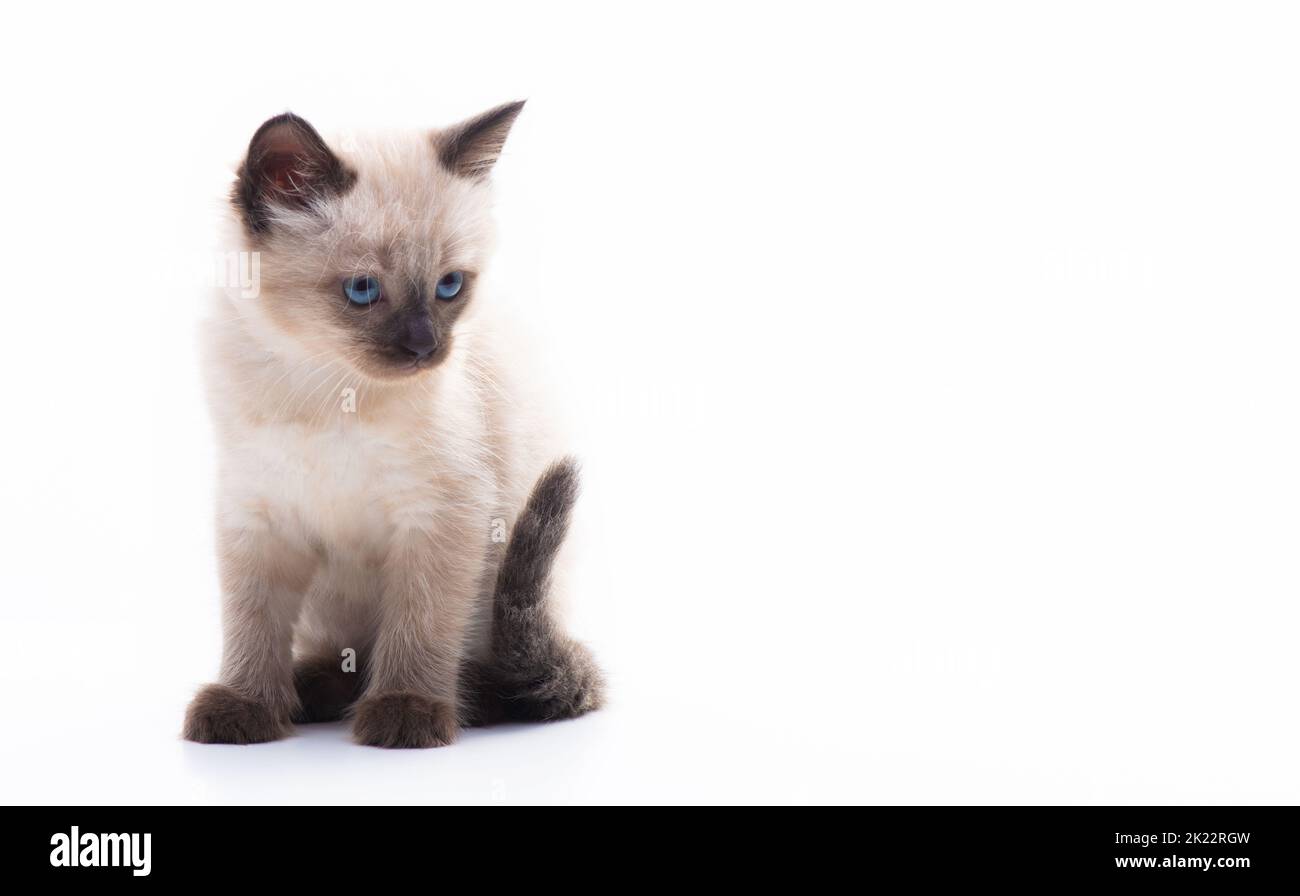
(537, 671)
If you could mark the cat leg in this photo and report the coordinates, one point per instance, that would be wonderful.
(263, 580)
(326, 689)
(540, 673)
(331, 642)
(413, 676)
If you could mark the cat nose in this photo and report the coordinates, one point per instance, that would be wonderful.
(418, 338)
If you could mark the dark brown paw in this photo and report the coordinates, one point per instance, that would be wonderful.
(572, 686)
(221, 715)
(325, 691)
(405, 720)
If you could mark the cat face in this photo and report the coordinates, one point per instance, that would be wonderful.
(369, 255)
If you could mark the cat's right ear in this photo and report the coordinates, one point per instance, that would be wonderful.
(472, 147)
(288, 165)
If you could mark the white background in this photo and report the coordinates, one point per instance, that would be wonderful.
(933, 365)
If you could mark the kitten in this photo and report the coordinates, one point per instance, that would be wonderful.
(371, 445)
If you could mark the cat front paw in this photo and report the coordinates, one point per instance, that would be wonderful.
(402, 719)
(221, 715)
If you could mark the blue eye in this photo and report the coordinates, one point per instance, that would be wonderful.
(362, 290)
(450, 284)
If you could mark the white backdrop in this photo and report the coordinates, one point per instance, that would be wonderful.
(932, 364)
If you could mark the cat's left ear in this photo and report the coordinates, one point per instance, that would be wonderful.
(472, 147)
(289, 165)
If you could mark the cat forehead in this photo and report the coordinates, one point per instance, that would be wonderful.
(403, 193)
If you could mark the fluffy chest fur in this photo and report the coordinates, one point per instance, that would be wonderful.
(357, 464)
(344, 487)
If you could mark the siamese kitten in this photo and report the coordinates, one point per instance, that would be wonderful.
(374, 455)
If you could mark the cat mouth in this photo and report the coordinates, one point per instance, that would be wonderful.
(391, 366)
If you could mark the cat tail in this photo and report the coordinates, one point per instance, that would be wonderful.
(537, 671)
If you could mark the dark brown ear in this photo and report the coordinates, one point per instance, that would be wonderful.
(289, 165)
(472, 147)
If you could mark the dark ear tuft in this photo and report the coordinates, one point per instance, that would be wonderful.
(288, 164)
(472, 147)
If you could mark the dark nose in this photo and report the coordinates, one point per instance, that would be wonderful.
(418, 338)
